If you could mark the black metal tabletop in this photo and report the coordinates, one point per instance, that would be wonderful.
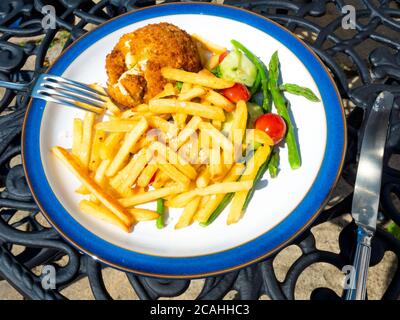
(362, 55)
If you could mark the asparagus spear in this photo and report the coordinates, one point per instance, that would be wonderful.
(280, 104)
(299, 91)
(273, 164)
(160, 210)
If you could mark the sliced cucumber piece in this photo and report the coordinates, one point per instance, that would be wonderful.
(237, 67)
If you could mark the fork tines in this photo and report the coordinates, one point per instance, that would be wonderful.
(68, 92)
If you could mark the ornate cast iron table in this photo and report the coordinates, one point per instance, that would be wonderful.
(364, 61)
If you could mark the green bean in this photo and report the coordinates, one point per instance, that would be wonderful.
(299, 91)
(225, 201)
(281, 107)
(261, 69)
(161, 211)
(273, 164)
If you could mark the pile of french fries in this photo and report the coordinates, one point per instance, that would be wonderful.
(171, 148)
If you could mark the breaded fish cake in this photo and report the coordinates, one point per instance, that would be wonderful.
(134, 65)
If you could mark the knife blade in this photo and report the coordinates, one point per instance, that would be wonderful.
(369, 173)
(367, 189)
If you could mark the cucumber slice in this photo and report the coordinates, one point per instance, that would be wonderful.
(237, 67)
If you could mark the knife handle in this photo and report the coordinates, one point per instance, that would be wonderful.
(361, 264)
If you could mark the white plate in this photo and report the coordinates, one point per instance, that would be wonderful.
(270, 206)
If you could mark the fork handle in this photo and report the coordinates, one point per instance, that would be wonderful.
(15, 86)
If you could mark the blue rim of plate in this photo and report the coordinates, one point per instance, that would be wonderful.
(215, 263)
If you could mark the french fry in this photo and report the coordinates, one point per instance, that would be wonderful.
(160, 180)
(130, 140)
(212, 62)
(87, 138)
(186, 217)
(143, 143)
(219, 100)
(90, 107)
(112, 107)
(141, 108)
(110, 145)
(161, 106)
(147, 174)
(236, 209)
(239, 120)
(212, 203)
(143, 214)
(159, 123)
(150, 196)
(82, 190)
(95, 159)
(185, 133)
(206, 72)
(171, 171)
(122, 180)
(209, 45)
(186, 87)
(195, 92)
(224, 187)
(195, 78)
(219, 139)
(114, 206)
(215, 162)
(183, 199)
(102, 213)
(262, 137)
(129, 113)
(100, 174)
(117, 180)
(169, 90)
(204, 177)
(77, 136)
(190, 152)
(172, 157)
(217, 124)
(253, 165)
(139, 163)
(180, 120)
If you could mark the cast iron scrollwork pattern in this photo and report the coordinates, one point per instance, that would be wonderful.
(360, 71)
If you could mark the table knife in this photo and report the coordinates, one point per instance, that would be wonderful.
(367, 190)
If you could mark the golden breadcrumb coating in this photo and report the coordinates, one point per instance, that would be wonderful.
(134, 65)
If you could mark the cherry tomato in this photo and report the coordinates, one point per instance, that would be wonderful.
(273, 125)
(237, 92)
(222, 56)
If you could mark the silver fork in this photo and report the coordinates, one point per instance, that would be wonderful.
(62, 91)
